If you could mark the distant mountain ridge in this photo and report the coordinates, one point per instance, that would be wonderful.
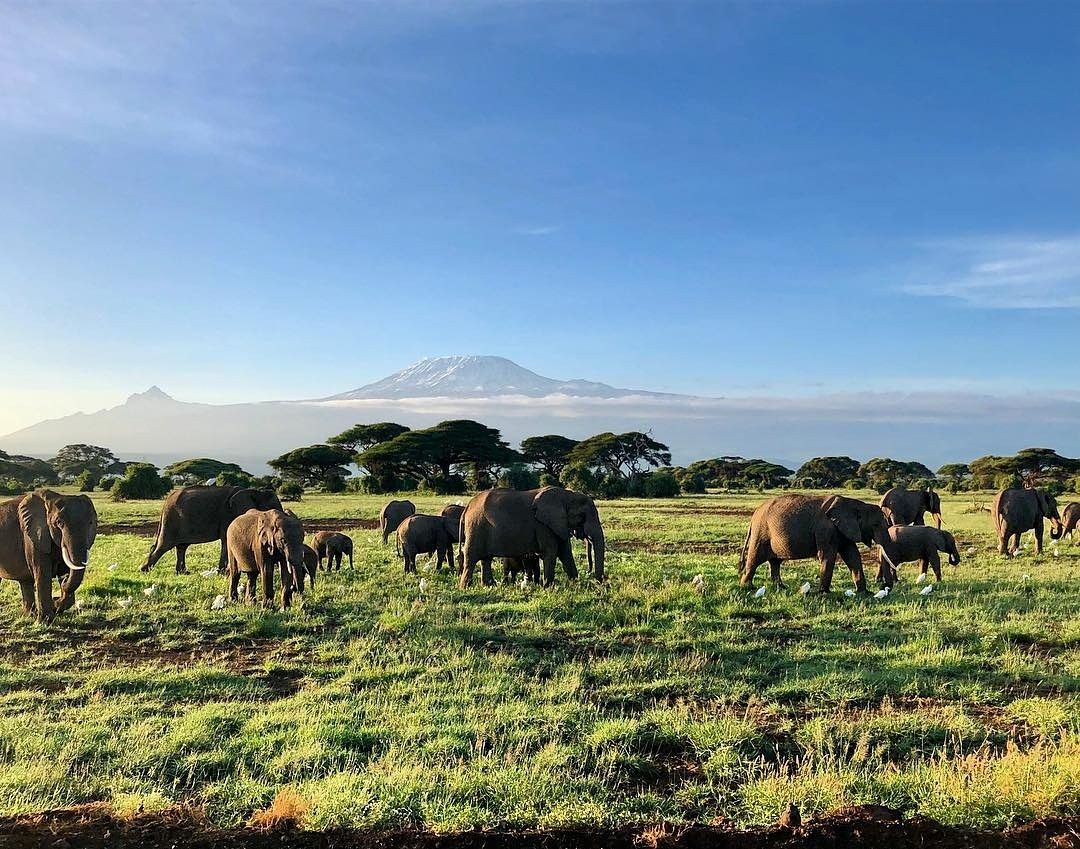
(473, 376)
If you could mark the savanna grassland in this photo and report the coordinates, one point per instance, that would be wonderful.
(639, 700)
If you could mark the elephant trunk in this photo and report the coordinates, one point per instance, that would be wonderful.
(76, 555)
(595, 535)
(937, 520)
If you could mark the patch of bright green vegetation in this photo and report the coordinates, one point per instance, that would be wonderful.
(642, 699)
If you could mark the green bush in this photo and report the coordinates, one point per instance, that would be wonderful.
(290, 491)
(107, 484)
(141, 481)
(229, 477)
(519, 476)
(453, 485)
(660, 485)
(10, 486)
(693, 485)
(549, 480)
(333, 484)
(87, 481)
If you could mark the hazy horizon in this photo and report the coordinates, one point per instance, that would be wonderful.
(240, 202)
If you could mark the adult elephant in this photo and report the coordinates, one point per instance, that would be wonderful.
(1016, 511)
(1070, 518)
(44, 535)
(512, 523)
(197, 514)
(793, 527)
(259, 542)
(907, 506)
(392, 515)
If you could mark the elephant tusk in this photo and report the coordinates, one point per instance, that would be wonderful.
(887, 558)
(72, 566)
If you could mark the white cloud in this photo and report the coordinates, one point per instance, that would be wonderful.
(1003, 272)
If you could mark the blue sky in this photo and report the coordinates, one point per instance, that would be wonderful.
(241, 201)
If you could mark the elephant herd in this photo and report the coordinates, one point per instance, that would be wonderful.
(47, 537)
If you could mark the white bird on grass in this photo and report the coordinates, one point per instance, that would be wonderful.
(423, 585)
(524, 582)
(113, 567)
(208, 573)
(882, 593)
(929, 588)
(805, 589)
(218, 603)
(760, 593)
(849, 593)
(125, 602)
(150, 590)
(699, 583)
(971, 552)
(921, 578)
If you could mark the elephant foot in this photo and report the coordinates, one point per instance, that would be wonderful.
(144, 568)
(779, 585)
(183, 570)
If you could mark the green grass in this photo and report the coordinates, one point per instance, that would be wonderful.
(637, 700)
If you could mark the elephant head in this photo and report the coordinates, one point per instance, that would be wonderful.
(281, 537)
(948, 545)
(1048, 510)
(59, 531)
(250, 498)
(932, 505)
(567, 513)
(858, 522)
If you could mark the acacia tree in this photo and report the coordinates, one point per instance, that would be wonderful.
(360, 437)
(1038, 466)
(954, 475)
(550, 453)
(72, 460)
(432, 454)
(883, 473)
(624, 455)
(26, 470)
(766, 475)
(315, 465)
(826, 472)
(201, 468)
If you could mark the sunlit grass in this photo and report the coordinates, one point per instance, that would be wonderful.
(370, 705)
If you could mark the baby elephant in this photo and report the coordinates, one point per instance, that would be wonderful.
(258, 542)
(420, 534)
(527, 565)
(333, 546)
(922, 543)
(311, 565)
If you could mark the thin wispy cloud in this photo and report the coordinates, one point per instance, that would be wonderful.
(545, 230)
(1003, 272)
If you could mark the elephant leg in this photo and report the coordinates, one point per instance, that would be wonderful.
(828, 563)
(754, 558)
(181, 559)
(1038, 536)
(234, 584)
(46, 608)
(850, 554)
(935, 564)
(350, 560)
(488, 579)
(223, 556)
(29, 601)
(774, 573)
(548, 569)
(267, 578)
(467, 565)
(924, 564)
(251, 587)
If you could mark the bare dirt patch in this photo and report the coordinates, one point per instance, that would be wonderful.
(95, 827)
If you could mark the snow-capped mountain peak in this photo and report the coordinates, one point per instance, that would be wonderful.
(473, 376)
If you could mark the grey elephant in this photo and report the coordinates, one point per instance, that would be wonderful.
(196, 514)
(511, 523)
(311, 567)
(793, 527)
(921, 543)
(1070, 518)
(908, 506)
(422, 534)
(332, 546)
(392, 515)
(259, 542)
(527, 566)
(45, 535)
(452, 513)
(1018, 510)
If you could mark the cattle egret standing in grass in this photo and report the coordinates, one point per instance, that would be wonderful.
(150, 590)
(921, 578)
(125, 602)
(929, 588)
(218, 603)
(208, 573)
(423, 585)
(849, 593)
(524, 582)
(113, 567)
(760, 593)
(882, 593)
(805, 589)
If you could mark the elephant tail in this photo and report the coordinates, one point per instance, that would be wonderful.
(745, 549)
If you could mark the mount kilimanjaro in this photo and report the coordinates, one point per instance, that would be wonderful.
(934, 427)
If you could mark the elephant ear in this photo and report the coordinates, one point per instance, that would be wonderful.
(265, 535)
(841, 514)
(550, 510)
(34, 521)
(241, 501)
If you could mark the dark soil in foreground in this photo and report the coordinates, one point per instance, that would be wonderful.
(94, 827)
